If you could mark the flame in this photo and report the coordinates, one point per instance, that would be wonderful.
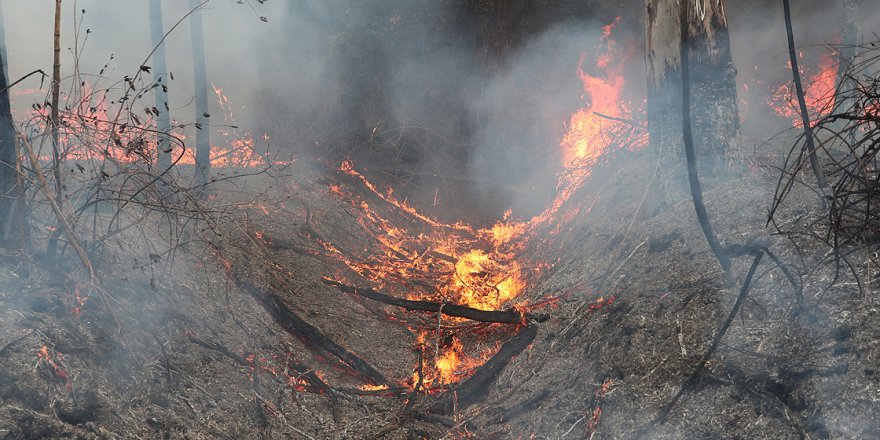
(88, 133)
(449, 361)
(482, 268)
(819, 91)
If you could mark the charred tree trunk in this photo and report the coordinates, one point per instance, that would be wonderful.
(8, 153)
(713, 95)
(3, 45)
(163, 119)
(203, 142)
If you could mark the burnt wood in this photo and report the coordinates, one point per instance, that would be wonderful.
(477, 386)
(296, 326)
(509, 316)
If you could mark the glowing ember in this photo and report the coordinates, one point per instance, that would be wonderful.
(51, 361)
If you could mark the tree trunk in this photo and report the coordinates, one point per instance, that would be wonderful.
(852, 37)
(713, 95)
(3, 45)
(8, 153)
(160, 70)
(52, 245)
(203, 142)
(56, 88)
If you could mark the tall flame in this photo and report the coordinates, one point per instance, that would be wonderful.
(478, 267)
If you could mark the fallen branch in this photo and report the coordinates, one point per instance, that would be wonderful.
(296, 326)
(477, 386)
(509, 316)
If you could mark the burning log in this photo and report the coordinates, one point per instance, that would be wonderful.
(476, 388)
(509, 316)
(296, 326)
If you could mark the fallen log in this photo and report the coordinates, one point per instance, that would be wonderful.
(477, 386)
(509, 316)
(296, 326)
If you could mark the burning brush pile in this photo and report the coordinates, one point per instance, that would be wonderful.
(847, 141)
(457, 289)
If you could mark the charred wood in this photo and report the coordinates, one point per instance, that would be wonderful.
(296, 326)
(477, 386)
(509, 316)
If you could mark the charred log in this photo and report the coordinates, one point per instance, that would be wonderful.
(477, 386)
(509, 316)
(297, 327)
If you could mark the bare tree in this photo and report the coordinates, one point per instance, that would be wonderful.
(203, 142)
(713, 95)
(160, 69)
(56, 87)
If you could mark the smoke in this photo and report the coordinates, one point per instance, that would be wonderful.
(760, 52)
(463, 109)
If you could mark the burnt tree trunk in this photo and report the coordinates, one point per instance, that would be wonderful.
(203, 142)
(8, 180)
(714, 111)
(3, 45)
(160, 69)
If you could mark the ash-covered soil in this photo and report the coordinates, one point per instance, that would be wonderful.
(177, 350)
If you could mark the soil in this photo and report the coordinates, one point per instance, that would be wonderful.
(177, 350)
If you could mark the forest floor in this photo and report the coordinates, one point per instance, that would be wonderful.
(185, 353)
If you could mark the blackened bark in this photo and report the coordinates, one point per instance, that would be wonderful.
(713, 80)
(203, 142)
(3, 45)
(160, 70)
(8, 189)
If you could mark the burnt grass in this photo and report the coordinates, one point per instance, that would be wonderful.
(186, 354)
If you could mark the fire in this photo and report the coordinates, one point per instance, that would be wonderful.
(482, 268)
(449, 361)
(819, 91)
(483, 282)
(583, 140)
(88, 132)
(51, 361)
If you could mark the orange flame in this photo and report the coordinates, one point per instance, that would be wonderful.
(460, 264)
(819, 91)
